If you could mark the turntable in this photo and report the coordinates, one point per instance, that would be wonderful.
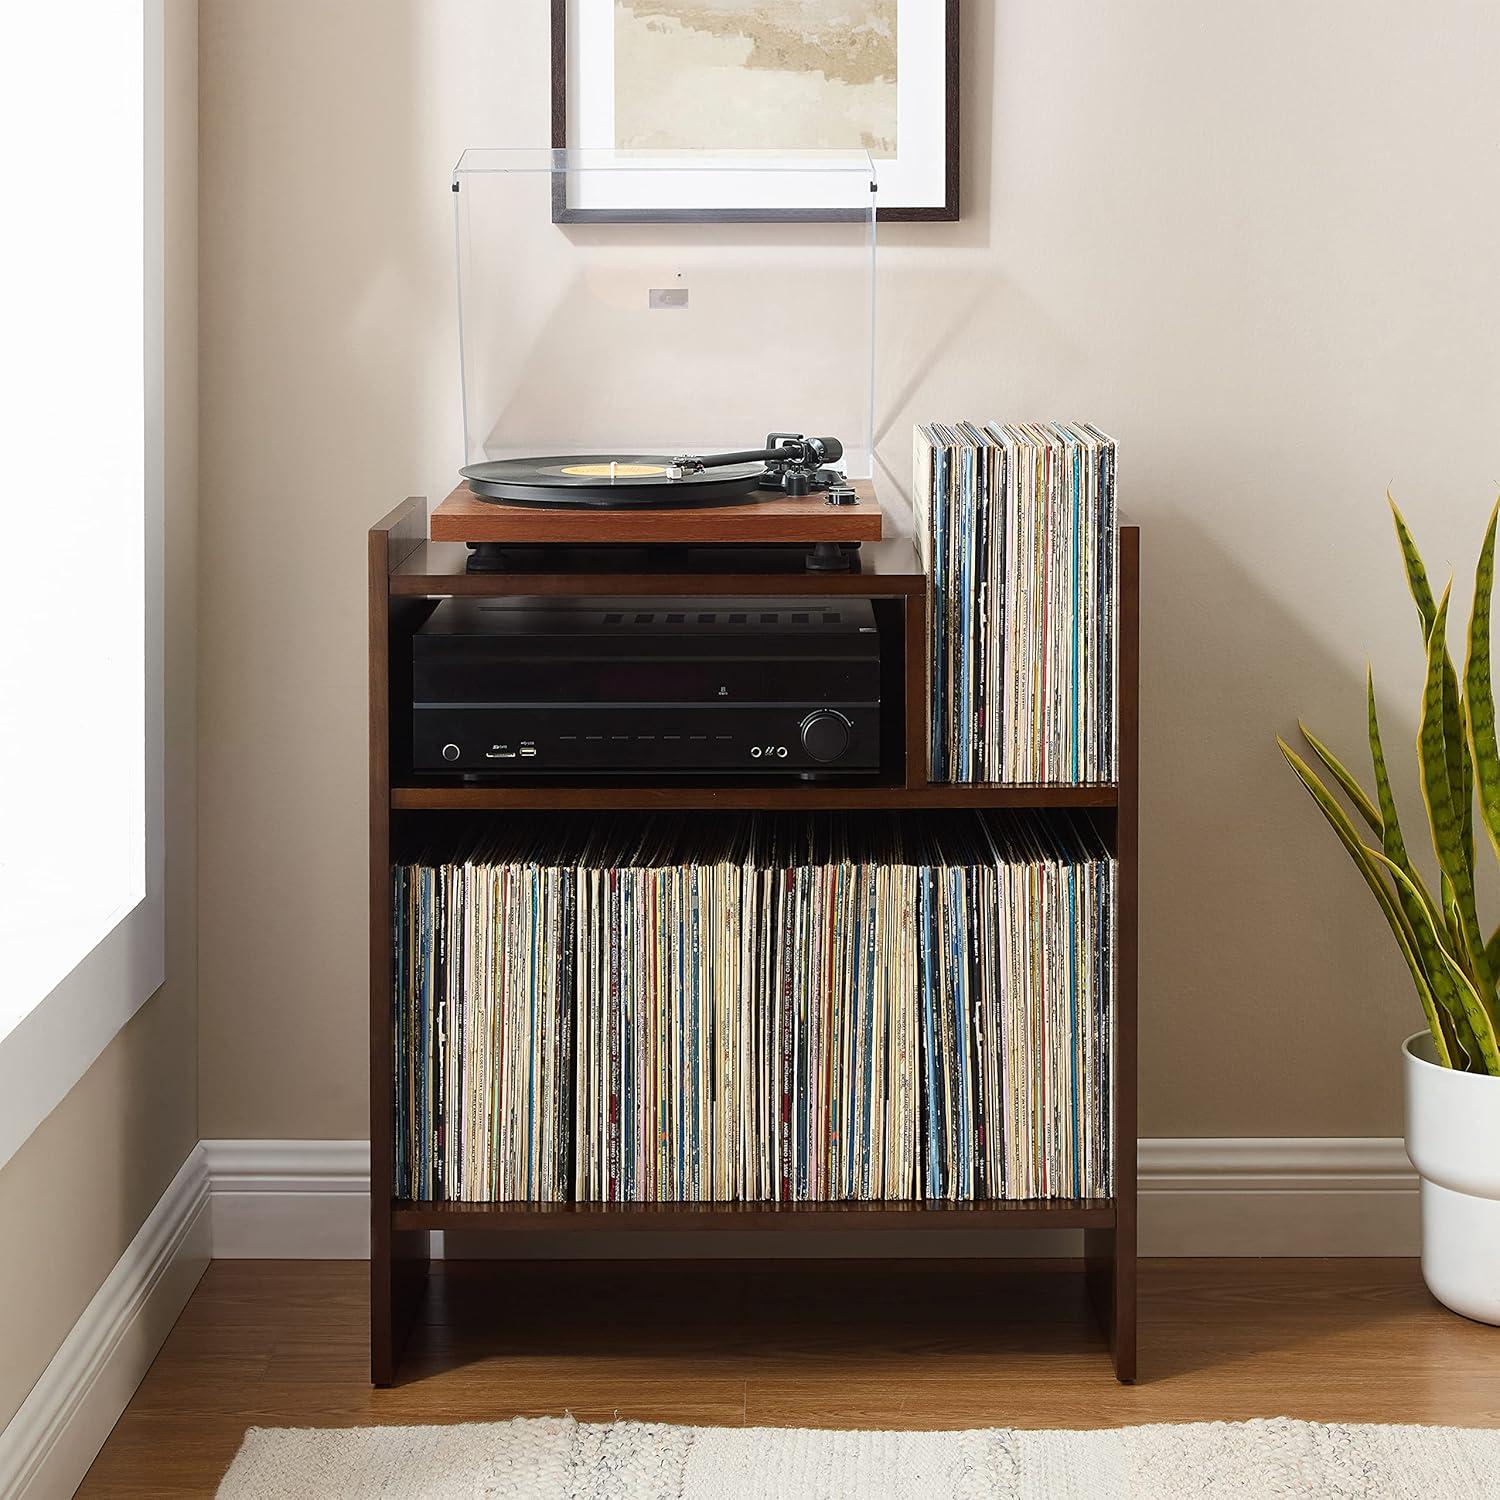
(626, 363)
(789, 464)
(830, 532)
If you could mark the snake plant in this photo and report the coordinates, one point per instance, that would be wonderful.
(1453, 965)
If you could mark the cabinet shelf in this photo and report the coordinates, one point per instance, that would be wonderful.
(1020, 1213)
(428, 569)
(811, 796)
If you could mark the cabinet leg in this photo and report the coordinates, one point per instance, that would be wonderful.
(1109, 1265)
(398, 1278)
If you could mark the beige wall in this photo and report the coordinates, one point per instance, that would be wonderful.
(1256, 242)
(74, 1195)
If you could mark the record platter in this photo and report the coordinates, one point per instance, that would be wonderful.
(788, 465)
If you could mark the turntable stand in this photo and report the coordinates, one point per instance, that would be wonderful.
(810, 519)
(409, 575)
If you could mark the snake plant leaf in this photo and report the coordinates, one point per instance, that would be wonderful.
(1389, 819)
(1458, 1037)
(1352, 789)
(1447, 936)
(1433, 747)
(1456, 997)
(1456, 751)
(1421, 912)
(1416, 573)
(1364, 858)
(1464, 1052)
(1466, 769)
(1455, 741)
(1480, 693)
(1343, 826)
(1492, 951)
(1455, 926)
(1481, 1020)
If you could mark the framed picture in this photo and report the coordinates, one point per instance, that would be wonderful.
(764, 75)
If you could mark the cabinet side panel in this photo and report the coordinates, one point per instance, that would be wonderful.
(1126, 1129)
(398, 1259)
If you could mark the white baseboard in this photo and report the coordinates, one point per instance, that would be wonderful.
(289, 1200)
(50, 1442)
(1302, 1195)
(1255, 1196)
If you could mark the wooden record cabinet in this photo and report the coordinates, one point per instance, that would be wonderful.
(408, 573)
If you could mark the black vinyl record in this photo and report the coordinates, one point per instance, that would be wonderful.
(612, 480)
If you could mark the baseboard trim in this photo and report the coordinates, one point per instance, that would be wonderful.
(1341, 1196)
(1305, 1195)
(289, 1200)
(47, 1447)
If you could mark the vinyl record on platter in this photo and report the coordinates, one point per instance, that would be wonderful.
(611, 480)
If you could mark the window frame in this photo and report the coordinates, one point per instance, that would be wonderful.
(63, 1034)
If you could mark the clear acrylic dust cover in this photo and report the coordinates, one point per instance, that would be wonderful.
(627, 302)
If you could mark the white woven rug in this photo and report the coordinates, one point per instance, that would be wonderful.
(556, 1458)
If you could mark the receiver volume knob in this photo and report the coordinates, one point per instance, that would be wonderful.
(825, 735)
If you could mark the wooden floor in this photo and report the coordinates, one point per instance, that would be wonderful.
(284, 1344)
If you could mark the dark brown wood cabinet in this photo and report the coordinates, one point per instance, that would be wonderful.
(408, 573)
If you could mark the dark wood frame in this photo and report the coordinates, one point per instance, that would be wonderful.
(407, 573)
(948, 212)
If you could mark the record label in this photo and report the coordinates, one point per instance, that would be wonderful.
(614, 470)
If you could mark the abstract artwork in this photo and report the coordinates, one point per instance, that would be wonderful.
(878, 76)
(756, 74)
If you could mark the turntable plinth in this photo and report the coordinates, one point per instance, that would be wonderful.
(463, 517)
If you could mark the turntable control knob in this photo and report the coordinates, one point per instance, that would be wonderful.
(450, 752)
(825, 734)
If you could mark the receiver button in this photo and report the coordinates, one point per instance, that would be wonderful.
(825, 735)
(450, 752)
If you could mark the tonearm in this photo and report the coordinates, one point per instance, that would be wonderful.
(796, 464)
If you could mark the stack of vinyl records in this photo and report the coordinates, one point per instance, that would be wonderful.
(483, 1021)
(1017, 527)
(747, 1014)
(779, 1008)
(1017, 936)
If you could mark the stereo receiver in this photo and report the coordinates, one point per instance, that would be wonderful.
(733, 687)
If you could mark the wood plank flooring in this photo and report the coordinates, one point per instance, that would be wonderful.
(898, 1345)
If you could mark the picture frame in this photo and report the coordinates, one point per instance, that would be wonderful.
(917, 169)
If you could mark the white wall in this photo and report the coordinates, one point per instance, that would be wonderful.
(1255, 242)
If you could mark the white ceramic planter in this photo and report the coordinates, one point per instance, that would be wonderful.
(1453, 1139)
